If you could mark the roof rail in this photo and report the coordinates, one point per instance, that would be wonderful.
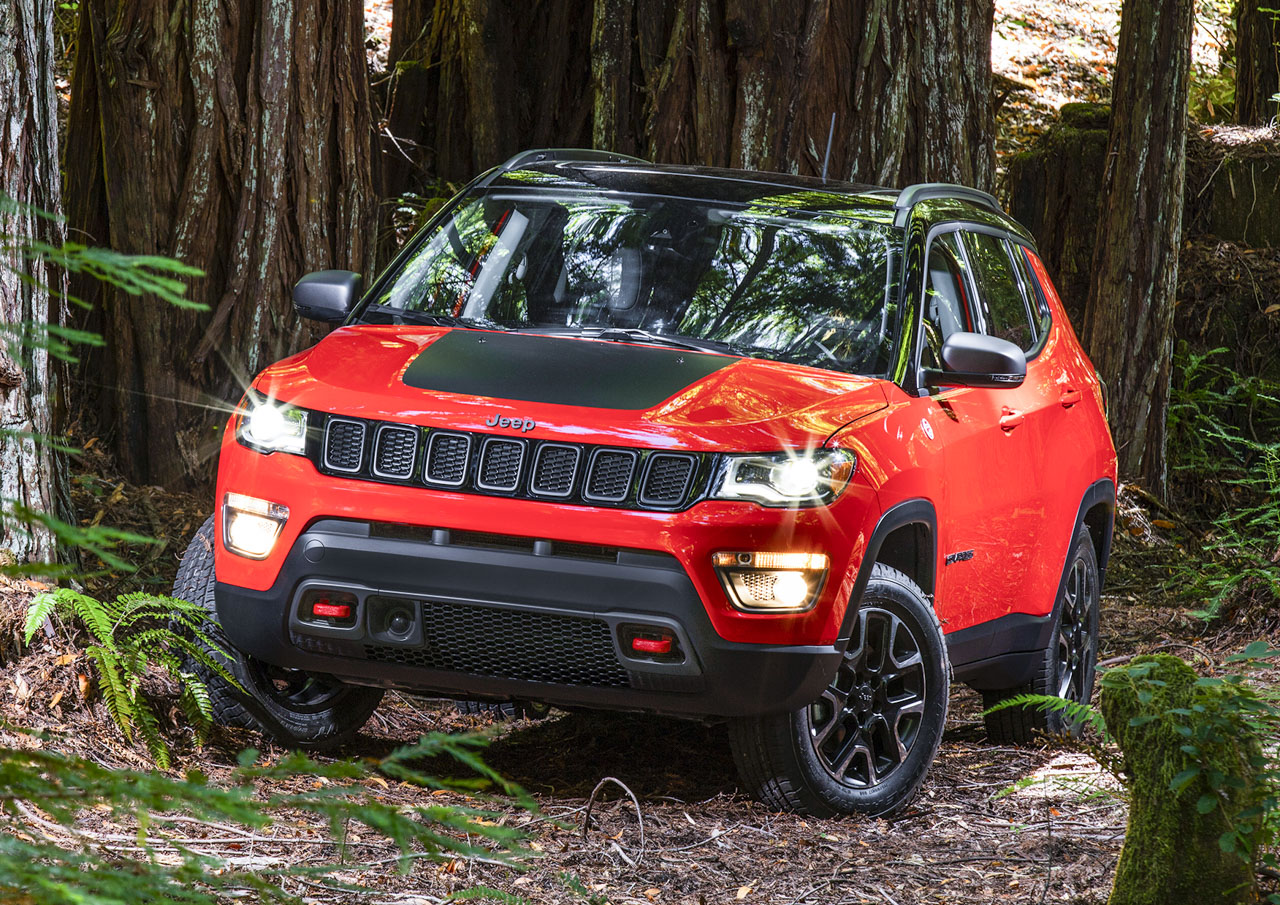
(923, 191)
(552, 155)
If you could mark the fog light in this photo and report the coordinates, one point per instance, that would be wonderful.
(772, 582)
(250, 526)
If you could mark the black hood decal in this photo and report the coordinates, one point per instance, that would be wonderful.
(533, 368)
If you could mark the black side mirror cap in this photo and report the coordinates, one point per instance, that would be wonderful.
(327, 295)
(978, 360)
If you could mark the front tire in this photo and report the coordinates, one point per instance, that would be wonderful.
(1067, 665)
(865, 745)
(296, 708)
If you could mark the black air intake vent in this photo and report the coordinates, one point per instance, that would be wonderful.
(447, 456)
(344, 445)
(666, 479)
(554, 468)
(500, 462)
(395, 449)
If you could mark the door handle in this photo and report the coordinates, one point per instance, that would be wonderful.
(1070, 396)
(1010, 419)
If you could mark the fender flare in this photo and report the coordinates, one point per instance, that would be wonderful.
(917, 511)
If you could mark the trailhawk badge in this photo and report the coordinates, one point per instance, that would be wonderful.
(524, 425)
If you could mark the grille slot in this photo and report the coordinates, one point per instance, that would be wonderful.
(609, 475)
(344, 445)
(666, 479)
(554, 468)
(500, 462)
(447, 456)
(511, 644)
(395, 449)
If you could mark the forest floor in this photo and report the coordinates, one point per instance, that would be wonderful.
(1037, 824)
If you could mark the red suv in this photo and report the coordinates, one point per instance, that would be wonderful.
(750, 447)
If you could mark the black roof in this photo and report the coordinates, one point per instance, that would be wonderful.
(786, 191)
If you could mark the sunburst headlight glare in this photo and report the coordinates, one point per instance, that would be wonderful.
(801, 478)
(274, 427)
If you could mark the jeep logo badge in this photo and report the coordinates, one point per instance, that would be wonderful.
(524, 425)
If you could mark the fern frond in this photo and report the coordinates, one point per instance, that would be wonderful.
(114, 691)
(40, 609)
(1074, 711)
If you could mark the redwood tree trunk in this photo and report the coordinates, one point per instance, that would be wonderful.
(1129, 317)
(236, 137)
(28, 175)
(1257, 61)
(744, 83)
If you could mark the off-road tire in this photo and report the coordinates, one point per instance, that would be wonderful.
(1021, 725)
(341, 713)
(504, 710)
(781, 758)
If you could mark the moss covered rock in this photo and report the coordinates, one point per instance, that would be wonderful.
(1171, 853)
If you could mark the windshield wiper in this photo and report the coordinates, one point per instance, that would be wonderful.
(636, 335)
(433, 320)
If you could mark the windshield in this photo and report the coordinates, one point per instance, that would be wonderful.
(816, 289)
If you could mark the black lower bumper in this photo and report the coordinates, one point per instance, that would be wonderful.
(479, 620)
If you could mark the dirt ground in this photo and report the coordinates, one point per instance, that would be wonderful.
(1037, 824)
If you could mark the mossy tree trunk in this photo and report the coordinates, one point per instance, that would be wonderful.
(743, 83)
(1257, 61)
(235, 136)
(1129, 315)
(29, 475)
(1171, 850)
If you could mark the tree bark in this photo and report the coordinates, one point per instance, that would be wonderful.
(743, 83)
(1257, 61)
(1129, 316)
(234, 135)
(29, 175)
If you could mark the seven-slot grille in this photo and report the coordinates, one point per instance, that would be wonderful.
(513, 466)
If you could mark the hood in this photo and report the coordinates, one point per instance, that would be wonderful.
(584, 390)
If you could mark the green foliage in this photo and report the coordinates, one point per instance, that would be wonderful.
(162, 278)
(166, 865)
(1224, 436)
(127, 636)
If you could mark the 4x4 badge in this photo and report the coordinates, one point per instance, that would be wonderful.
(524, 425)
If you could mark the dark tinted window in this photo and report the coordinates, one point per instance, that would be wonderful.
(1001, 303)
(1039, 313)
(946, 299)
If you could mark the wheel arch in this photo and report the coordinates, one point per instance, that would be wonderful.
(1098, 513)
(905, 538)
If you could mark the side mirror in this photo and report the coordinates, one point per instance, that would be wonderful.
(978, 360)
(327, 295)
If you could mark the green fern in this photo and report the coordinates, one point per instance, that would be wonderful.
(1074, 711)
(127, 638)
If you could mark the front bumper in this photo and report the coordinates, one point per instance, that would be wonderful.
(493, 620)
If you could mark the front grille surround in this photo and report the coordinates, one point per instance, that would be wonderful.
(392, 458)
(667, 477)
(602, 476)
(498, 471)
(548, 477)
(453, 471)
(343, 439)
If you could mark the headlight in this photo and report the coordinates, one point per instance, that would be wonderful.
(269, 426)
(805, 478)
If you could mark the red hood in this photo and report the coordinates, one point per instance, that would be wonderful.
(738, 404)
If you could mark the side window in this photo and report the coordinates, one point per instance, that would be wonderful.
(946, 298)
(1001, 303)
(1031, 287)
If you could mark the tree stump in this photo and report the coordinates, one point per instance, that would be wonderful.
(1053, 190)
(1171, 850)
